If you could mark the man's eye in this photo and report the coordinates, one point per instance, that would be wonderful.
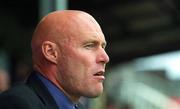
(91, 45)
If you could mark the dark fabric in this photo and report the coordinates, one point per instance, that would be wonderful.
(60, 98)
(32, 95)
(80, 106)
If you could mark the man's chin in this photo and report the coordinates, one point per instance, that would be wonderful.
(95, 94)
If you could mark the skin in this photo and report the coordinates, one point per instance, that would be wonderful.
(68, 48)
(4, 80)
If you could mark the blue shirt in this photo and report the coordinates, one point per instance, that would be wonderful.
(60, 98)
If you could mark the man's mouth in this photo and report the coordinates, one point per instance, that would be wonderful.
(101, 73)
(99, 76)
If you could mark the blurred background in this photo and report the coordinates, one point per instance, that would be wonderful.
(143, 45)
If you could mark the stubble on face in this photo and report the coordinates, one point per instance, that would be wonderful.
(77, 65)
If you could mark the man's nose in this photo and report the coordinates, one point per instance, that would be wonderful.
(103, 57)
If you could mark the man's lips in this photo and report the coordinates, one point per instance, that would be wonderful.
(99, 75)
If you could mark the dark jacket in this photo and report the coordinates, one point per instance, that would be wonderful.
(32, 95)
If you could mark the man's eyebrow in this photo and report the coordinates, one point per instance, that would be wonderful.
(95, 40)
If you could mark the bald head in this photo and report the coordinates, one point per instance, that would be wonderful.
(52, 26)
(60, 25)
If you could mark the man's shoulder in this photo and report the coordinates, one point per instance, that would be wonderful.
(19, 96)
(19, 89)
(18, 92)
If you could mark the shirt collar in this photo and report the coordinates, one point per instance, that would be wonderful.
(61, 99)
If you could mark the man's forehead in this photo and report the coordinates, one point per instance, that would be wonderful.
(80, 25)
(93, 37)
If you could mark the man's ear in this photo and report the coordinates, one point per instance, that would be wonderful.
(49, 50)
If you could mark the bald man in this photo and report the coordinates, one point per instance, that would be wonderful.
(69, 59)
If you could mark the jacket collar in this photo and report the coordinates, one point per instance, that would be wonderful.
(42, 92)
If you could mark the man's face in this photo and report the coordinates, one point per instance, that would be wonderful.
(82, 61)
